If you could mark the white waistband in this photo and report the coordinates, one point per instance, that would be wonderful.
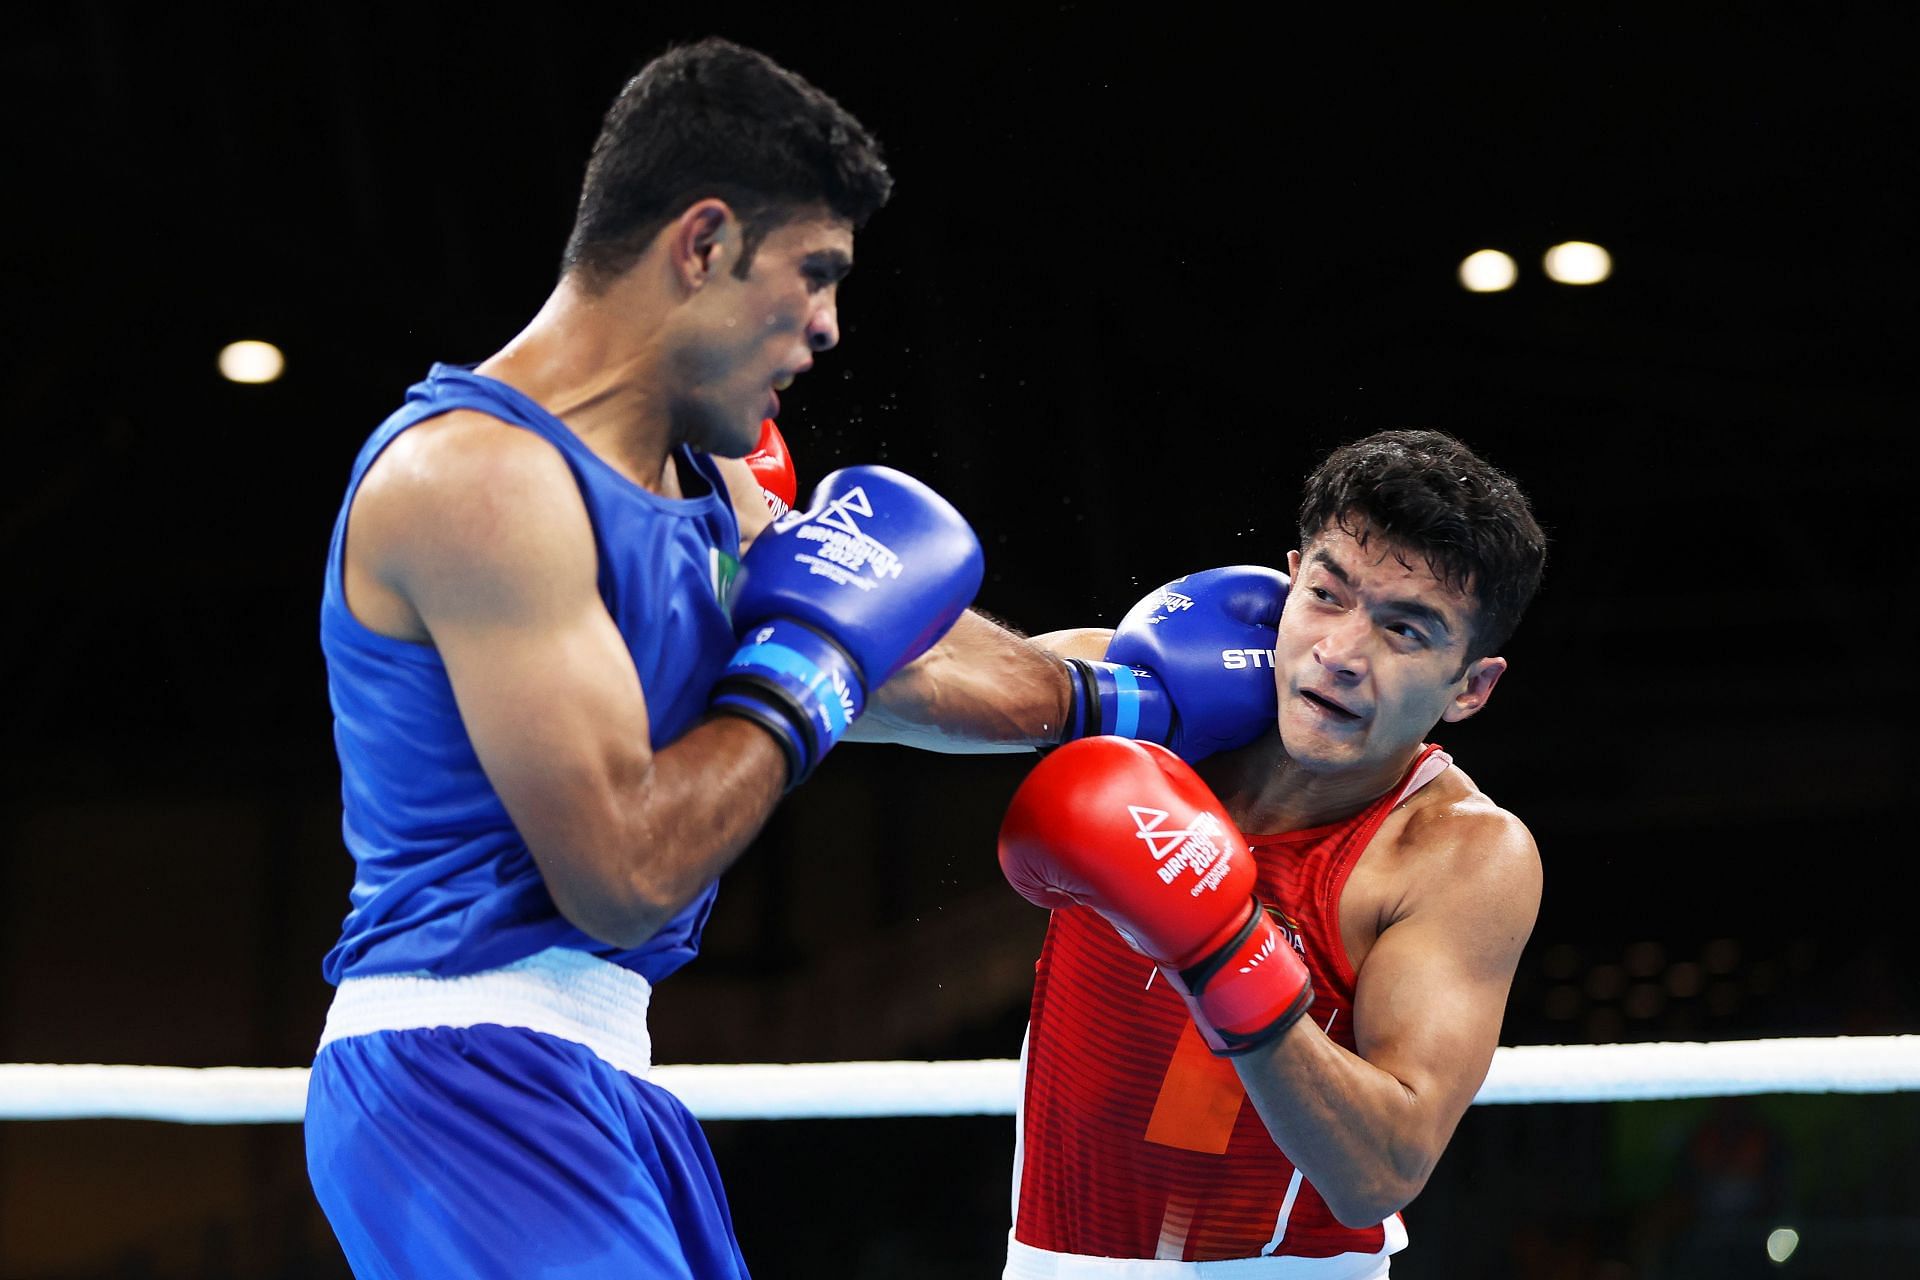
(1024, 1262)
(560, 992)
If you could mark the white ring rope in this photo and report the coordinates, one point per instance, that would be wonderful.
(843, 1090)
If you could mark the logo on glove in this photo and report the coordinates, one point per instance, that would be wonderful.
(843, 695)
(1198, 848)
(1171, 602)
(1267, 948)
(844, 548)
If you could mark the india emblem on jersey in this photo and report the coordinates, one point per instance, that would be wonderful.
(722, 569)
(1288, 926)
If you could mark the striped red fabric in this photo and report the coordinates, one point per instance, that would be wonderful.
(1138, 1143)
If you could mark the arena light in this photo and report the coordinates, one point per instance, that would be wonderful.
(1578, 262)
(1488, 271)
(1781, 1242)
(251, 362)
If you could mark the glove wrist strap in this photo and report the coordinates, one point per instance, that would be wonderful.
(1259, 976)
(796, 683)
(1112, 698)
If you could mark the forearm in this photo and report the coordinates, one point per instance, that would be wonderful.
(982, 688)
(1364, 1139)
(667, 831)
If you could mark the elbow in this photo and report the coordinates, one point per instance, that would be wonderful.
(626, 930)
(597, 884)
(622, 912)
(622, 924)
(1358, 1212)
(1370, 1200)
(1358, 1208)
(1386, 1180)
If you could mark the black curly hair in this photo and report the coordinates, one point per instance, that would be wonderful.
(1432, 496)
(714, 119)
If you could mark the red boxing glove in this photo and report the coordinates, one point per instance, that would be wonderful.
(1128, 829)
(773, 468)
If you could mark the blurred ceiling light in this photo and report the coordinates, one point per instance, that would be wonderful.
(1781, 1243)
(251, 362)
(1488, 271)
(1577, 262)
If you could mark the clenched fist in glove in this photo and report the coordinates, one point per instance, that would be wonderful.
(834, 599)
(1127, 829)
(1189, 667)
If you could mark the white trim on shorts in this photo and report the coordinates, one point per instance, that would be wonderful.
(1024, 1262)
(559, 992)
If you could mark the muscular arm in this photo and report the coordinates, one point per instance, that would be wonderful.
(477, 529)
(981, 689)
(1367, 1129)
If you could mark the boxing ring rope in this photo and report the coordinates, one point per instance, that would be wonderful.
(848, 1090)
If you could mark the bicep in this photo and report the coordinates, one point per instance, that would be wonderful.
(497, 558)
(556, 716)
(1432, 992)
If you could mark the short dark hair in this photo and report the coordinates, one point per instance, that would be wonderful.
(1435, 497)
(714, 119)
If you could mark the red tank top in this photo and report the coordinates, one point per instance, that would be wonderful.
(1135, 1141)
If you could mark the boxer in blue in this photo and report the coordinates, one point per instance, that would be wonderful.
(559, 719)
(549, 745)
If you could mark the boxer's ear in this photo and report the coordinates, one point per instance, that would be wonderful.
(702, 241)
(1478, 681)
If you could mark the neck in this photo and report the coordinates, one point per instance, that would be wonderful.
(596, 363)
(1266, 791)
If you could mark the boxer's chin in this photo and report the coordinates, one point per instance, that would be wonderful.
(726, 431)
(1312, 758)
(1312, 750)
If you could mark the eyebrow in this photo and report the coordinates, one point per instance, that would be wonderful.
(1415, 609)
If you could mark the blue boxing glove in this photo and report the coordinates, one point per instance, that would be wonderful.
(1189, 667)
(834, 599)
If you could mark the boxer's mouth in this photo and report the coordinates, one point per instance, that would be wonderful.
(1329, 705)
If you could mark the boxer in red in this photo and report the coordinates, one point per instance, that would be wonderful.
(1271, 987)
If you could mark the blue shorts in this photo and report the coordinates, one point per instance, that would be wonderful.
(493, 1151)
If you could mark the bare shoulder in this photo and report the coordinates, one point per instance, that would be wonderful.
(1469, 850)
(465, 463)
(464, 496)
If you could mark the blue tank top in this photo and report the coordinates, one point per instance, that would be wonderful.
(443, 882)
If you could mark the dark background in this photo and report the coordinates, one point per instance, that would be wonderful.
(1139, 275)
